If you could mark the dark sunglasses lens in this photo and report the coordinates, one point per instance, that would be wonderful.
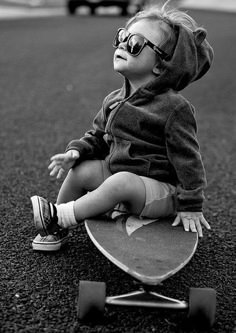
(135, 44)
(120, 37)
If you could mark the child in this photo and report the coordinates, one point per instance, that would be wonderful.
(142, 152)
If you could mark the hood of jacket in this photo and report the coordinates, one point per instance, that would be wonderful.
(191, 59)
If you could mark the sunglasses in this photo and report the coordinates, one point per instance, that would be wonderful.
(135, 43)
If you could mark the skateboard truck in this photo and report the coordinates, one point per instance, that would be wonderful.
(92, 301)
(146, 299)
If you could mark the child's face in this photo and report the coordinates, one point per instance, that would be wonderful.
(139, 67)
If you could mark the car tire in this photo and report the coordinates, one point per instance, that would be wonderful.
(124, 11)
(71, 8)
(92, 10)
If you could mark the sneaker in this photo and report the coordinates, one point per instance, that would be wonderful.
(45, 216)
(51, 242)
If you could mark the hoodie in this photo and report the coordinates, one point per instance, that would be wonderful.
(153, 132)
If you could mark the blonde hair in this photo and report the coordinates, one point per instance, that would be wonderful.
(169, 20)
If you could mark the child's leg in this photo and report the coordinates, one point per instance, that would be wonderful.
(85, 177)
(123, 187)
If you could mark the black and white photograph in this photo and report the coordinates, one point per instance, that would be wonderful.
(118, 166)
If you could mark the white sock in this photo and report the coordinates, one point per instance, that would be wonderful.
(66, 216)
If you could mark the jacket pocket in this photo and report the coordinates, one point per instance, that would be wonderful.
(125, 156)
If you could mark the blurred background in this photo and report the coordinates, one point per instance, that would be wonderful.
(12, 7)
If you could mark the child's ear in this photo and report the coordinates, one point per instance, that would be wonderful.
(156, 70)
(199, 35)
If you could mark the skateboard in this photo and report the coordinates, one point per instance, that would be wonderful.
(150, 251)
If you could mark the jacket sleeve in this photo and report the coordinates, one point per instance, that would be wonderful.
(184, 155)
(92, 144)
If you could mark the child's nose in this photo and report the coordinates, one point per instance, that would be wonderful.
(123, 45)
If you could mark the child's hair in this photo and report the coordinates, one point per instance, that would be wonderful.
(169, 19)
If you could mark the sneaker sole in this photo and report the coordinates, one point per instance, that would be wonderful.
(38, 219)
(49, 246)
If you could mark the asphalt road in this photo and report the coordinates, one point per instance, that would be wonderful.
(54, 74)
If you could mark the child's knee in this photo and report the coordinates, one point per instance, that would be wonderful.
(124, 182)
(88, 173)
(128, 188)
(83, 171)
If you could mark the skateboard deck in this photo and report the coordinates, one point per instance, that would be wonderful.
(148, 250)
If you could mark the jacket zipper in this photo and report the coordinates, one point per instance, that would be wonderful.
(112, 107)
(108, 126)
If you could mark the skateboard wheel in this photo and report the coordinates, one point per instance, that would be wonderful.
(91, 300)
(202, 306)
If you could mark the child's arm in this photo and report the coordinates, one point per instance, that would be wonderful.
(92, 144)
(184, 155)
(192, 221)
(62, 162)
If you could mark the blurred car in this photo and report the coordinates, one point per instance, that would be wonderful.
(72, 5)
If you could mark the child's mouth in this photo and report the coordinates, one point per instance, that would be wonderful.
(119, 56)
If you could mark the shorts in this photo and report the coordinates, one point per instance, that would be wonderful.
(160, 197)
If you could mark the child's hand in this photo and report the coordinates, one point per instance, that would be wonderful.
(192, 221)
(62, 162)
